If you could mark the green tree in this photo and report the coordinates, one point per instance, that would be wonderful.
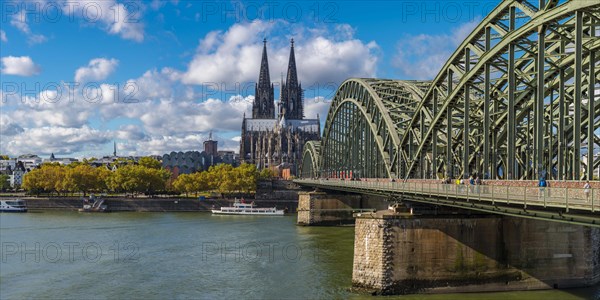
(203, 181)
(266, 174)
(186, 183)
(48, 178)
(4, 157)
(247, 175)
(150, 162)
(84, 178)
(137, 178)
(33, 181)
(104, 176)
(221, 178)
(4, 182)
(192, 183)
(76, 163)
(226, 179)
(54, 175)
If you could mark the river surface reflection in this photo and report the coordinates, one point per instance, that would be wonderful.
(187, 255)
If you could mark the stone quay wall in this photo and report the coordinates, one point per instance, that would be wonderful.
(150, 204)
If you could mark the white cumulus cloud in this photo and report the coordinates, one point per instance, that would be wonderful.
(422, 56)
(97, 69)
(8, 126)
(322, 56)
(318, 106)
(123, 19)
(19, 21)
(45, 140)
(19, 65)
(3, 36)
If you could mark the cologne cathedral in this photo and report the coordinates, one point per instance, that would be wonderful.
(276, 140)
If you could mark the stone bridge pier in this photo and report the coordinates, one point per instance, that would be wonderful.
(320, 208)
(399, 254)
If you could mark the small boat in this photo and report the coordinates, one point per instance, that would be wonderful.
(13, 205)
(93, 205)
(241, 208)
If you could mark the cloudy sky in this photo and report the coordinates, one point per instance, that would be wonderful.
(159, 76)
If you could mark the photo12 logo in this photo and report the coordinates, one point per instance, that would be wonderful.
(54, 92)
(55, 11)
(257, 251)
(443, 11)
(53, 252)
(269, 11)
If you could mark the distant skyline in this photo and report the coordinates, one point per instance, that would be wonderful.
(158, 76)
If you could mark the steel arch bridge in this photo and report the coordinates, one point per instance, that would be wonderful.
(516, 100)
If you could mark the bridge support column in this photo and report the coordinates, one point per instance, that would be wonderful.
(395, 255)
(320, 208)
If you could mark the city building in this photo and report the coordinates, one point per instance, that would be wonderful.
(30, 161)
(16, 178)
(186, 162)
(63, 161)
(210, 146)
(15, 172)
(10, 163)
(228, 157)
(195, 161)
(269, 140)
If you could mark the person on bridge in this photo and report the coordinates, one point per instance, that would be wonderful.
(542, 184)
(471, 184)
(586, 189)
(445, 182)
(477, 184)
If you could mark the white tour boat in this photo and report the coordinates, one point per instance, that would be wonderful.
(13, 205)
(240, 208)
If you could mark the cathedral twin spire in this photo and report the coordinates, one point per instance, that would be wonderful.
(291, 91)
(264, 105)
(291, 96)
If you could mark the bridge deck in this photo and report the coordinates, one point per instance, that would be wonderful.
(550, 202)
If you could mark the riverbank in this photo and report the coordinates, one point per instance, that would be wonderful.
(270, 193)
(151, 204)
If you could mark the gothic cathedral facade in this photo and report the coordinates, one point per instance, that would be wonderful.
(270, 140)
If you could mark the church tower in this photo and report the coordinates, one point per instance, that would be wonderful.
(264, 101)
(270, 141)
(291, 92)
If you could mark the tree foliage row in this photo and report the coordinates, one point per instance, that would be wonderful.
(55, 178)
(222, 178)
(146, 176)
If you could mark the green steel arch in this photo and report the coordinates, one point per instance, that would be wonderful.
(310, 160)
(516, 100)
(364, 125)
(503, 108)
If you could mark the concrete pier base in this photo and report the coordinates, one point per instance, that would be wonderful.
(319, 208)
(440, 254)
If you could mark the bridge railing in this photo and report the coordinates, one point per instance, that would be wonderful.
(558, 197)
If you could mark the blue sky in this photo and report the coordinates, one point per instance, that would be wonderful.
(158, 76)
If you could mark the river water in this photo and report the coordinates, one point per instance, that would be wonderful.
(187, 255)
